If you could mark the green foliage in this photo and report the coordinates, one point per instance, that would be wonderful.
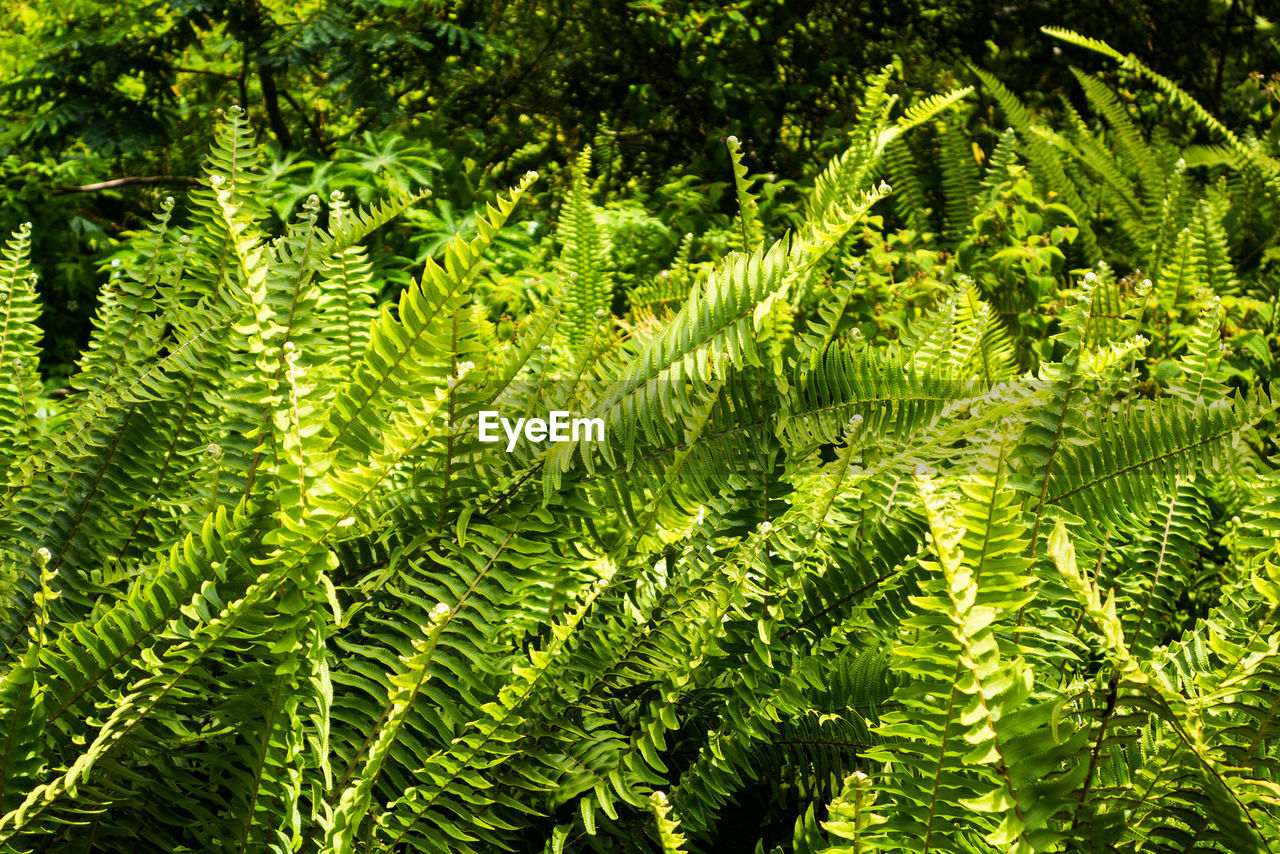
(914, 526)
(19, 349)
(104, 107)
(587, 287)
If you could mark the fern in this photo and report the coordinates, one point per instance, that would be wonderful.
(959, 180)
(587, 289)
(750, 232)
(1042, 157)
(891, 540)
(21, 393)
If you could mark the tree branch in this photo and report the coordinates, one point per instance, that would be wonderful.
(312, 126)
(131, 180)
(224, 75)
(1223, 45)
(270, 99)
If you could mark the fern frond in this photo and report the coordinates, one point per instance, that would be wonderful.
(928, 108)
(888, 396)
(402, 355)
(851, 170)
(832, 318)
(1156, 579)
(354, 802)
(1144, 454)
(959, 180)
(961, 338)
(714, 331)
(127, 326)
(1173, 215)
(22, 748)
(1199, 377)
(1096, 45)
(21, 393)
(357, 224)
(587, 286)
(486, 742)
(750, 231)
(1121, 194)
(1213, 254)
(1053, 426)
(1222, 811)
(908, 197)
(1043, 157)
(983, 349)
(229, 179)
(850, 816)
(347, 292)
(669, 835)
(1131, 149)
(1267, 167)
(966, 718)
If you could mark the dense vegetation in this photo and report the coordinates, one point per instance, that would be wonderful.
(937, 508)
(106, 108)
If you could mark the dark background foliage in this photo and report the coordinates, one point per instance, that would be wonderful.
(106, 107)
